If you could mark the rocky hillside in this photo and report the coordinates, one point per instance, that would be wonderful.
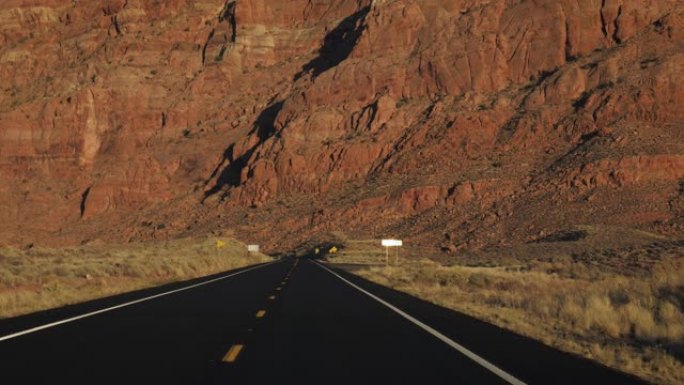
(452, 123)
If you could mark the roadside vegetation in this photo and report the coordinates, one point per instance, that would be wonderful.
(622, 307)
(41, 278)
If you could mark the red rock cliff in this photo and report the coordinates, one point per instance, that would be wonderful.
(455, 123)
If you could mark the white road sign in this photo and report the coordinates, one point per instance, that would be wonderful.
(253, 248)
(392, 242)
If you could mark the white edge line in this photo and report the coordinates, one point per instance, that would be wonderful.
(460, 348)
(96, 312)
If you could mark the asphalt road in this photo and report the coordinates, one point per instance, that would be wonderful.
(288, 322)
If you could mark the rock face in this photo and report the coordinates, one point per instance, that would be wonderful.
(452, 123)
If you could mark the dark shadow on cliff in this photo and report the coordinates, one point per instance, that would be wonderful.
(338, 44)
(231, 175)
(264, 126)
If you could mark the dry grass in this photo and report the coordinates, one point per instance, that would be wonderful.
(620, 307)
(40, 278)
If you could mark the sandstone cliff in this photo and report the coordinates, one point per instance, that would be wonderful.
(455, 123)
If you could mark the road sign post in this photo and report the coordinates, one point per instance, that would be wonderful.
(219, 245)
(391, 243)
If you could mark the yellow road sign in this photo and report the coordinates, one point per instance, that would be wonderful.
(220, 244)
(333, 250)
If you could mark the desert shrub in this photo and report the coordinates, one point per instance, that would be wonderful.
(41, 278)
(631, 322)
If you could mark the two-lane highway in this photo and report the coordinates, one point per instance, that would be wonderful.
(292, 321)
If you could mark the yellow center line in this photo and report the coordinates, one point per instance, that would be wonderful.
(261, 313)
(233, 353)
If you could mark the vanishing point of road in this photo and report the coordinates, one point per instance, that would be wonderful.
(293, 321)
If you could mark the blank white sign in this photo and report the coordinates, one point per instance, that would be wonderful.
(253, 248)
(392, 242)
